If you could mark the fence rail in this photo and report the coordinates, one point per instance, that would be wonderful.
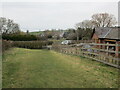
(105, 56)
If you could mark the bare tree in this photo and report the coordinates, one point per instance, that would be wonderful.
(7, 26)
(98, 20)
(103, 20)
(85, 24)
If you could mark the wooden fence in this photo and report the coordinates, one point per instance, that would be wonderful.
(105, 55)
(77, 41)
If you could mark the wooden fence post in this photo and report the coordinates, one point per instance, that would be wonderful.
(117, 49)
(107, 48)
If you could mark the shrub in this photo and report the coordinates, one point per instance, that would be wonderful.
(6, 45)
(32, 44)
(19, 37)
(24, 44)
(49, 42)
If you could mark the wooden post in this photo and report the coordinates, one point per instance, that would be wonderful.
(117, 49)
(107, 48)
(103, 46)
(96, 42)
(99, 43)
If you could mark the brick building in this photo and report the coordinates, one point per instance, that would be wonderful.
(107, 35)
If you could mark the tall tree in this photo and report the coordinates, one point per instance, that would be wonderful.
(103, 20)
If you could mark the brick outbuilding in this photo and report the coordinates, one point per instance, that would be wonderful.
(107, 35)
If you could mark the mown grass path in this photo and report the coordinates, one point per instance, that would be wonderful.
(25, 68)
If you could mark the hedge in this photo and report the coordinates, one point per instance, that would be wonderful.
(6, 45)
(18, 37)
(25, 44)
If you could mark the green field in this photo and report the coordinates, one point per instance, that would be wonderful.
(25, 68)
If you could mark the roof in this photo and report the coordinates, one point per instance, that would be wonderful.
(108, 32)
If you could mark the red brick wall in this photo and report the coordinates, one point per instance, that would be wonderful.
(95, 37)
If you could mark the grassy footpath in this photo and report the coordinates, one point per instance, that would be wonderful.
(25, 68)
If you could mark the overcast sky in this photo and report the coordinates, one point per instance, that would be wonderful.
(36, 16)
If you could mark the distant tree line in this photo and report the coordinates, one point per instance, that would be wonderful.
(83, 30)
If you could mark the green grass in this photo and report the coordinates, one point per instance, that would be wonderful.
(25, 68)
